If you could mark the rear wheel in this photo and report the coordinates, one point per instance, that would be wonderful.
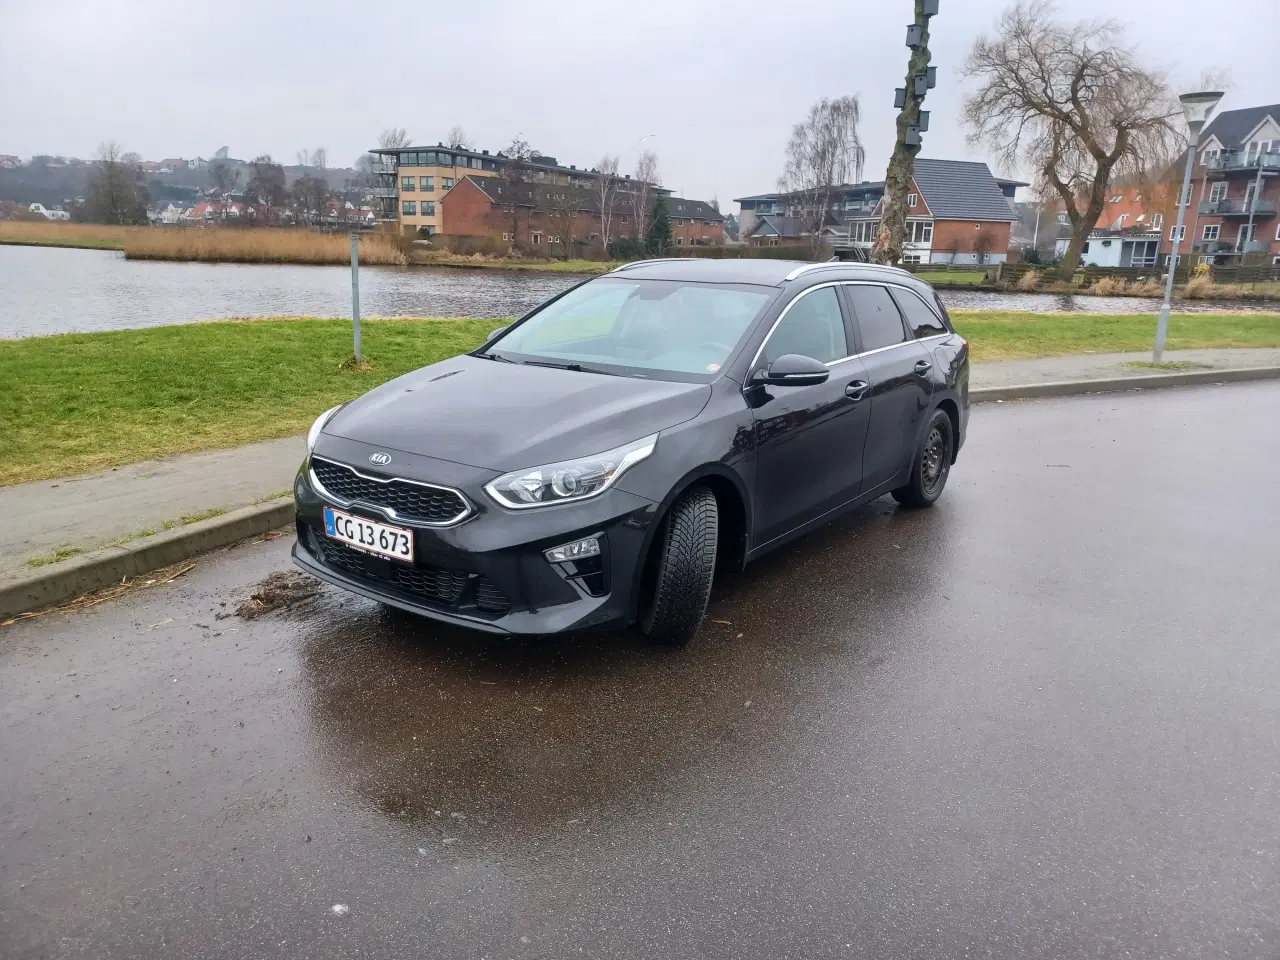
(682, 568)
(932, 464)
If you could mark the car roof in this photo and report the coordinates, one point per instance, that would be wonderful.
(758, 270)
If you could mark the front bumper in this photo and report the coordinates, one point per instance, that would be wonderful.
(488, 572)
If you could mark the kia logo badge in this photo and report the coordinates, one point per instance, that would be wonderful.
(380, 459)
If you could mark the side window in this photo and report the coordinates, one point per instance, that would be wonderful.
(922, 321)
(877, 316)
(812, 327)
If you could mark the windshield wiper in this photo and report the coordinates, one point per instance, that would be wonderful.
(575, 367)
(494, 356)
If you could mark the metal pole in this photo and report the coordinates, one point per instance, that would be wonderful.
(355, 291)
(1162, 325)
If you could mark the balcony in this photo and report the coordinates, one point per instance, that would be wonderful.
(1228, 247)
(1236, 208)
(1234, 161)
(385, 193)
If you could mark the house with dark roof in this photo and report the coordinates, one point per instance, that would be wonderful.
(1234, 215)
(957, 212)
(542, 216)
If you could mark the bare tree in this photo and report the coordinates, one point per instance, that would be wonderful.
(566, 208)
(643, 180)
(1071, 102)
(266, 188)
(225, 180)
(457, 138)
(393, 138)
(824, 152)
(115, 191)
(605, 191)
(309, 196)
(983, 241)
(516, 159)
(318, 158)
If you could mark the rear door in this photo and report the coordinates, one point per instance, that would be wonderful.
(808, 439)
(898, 370)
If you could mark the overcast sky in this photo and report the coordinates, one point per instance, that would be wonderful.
(718, 83)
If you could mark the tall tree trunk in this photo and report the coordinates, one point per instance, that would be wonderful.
(1083, 225)
(897, 180)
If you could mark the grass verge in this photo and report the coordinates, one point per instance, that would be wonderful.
(997, 336)
(80, 402)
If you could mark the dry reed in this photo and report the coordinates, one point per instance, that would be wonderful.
(259, 245)
(1028, 282)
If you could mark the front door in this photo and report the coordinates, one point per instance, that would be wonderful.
(808, 439)
(898, 368)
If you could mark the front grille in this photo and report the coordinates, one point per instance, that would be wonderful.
(410, 501)
(440, 586)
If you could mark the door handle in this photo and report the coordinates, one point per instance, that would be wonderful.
(856, 390)
(923, 366)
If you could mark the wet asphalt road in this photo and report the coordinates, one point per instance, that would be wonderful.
(1040, 720)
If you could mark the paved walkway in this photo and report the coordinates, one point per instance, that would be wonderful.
(1103, 366)
(87, 512)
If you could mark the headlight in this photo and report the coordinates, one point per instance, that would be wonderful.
(314, 433)
(568, 480)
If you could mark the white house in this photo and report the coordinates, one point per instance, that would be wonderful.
(57, 213)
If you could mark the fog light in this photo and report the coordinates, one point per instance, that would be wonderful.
(578, 550)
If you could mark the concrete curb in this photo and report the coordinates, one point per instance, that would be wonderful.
(46, 586)
(1071, 388)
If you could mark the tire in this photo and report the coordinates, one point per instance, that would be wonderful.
(931, 464)
(683, 568)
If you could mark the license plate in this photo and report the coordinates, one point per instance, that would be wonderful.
(379, 538)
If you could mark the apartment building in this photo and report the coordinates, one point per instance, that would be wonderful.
(557, 217)
(1235, 190)
(411, 181)
(957, 212)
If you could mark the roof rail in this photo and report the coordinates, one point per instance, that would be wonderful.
(836, 261)
(811, 266)
(641, 263)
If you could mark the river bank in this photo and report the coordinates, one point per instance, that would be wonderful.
(81, 402)
(47, 291)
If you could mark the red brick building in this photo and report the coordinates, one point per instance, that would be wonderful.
(1234, 214)
(957, 212)
(559, 219)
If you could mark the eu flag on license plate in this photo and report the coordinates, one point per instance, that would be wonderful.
(328, 523)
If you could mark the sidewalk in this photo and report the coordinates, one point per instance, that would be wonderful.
(88, 512)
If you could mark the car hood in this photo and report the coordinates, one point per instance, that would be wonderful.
(504, 416)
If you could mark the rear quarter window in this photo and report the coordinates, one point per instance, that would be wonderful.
(921, 320)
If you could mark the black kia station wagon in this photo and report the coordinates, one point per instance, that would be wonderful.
(595, 463)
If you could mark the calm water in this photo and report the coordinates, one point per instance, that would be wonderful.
(49, 290)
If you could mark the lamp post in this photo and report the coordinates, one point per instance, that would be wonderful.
(1196, 107)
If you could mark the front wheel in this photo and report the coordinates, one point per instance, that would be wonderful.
(932, 464)
(684, 564)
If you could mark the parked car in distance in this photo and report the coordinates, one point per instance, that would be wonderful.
(595, 463)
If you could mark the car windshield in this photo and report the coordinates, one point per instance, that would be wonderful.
(656, 328)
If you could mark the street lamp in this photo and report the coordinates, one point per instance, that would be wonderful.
(1196, 107)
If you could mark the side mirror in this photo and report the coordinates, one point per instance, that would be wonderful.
(793, 370)
(493, 333)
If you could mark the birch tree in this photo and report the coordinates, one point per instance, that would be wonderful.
(645, 178)
(605, 192)
(823, 153)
